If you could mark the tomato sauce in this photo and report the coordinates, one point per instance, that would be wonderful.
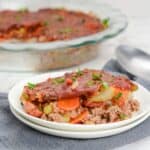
(47, 25)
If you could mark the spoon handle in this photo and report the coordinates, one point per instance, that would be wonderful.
(134, 61)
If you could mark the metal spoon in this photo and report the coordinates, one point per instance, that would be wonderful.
(134, 61)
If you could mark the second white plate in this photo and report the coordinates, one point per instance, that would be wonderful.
(78, 134)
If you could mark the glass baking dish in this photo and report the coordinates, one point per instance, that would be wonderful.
(34, 56)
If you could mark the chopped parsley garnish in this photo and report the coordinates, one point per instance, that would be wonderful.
(118, 95)
(106, 22)
(58, 80)
(45, 23)
(54, 81)
(31, 85)
(96, 76)
(59, 18)
(79, 72)
(74, 78)
(66, 30)
(90, 83)
(24, 9)
(122, 116)
(18, 17)
(105, 85)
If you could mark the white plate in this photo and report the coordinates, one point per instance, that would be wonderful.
(141, 94)
(78, 134)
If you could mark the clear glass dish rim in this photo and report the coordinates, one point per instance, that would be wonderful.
(118, 24)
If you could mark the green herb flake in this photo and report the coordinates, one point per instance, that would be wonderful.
(90, 83)
(23, 10)
(45, 23)
(18, 17)
(54, 81)
(96, 76)
(122, 116)
(118, 95)
(58, 80)
(74, 78)
(79, 72)
(31, 85)
(106, 22)
(59, 18)
(105, 85)
(66, 30)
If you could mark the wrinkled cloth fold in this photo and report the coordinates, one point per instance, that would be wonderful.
(14, 135)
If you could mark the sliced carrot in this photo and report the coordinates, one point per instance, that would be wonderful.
(69, 81)
(121, 100)
(93, 104)
(69, 104)
(80, 117)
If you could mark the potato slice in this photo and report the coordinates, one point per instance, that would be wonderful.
(104, 95)
(48, 109)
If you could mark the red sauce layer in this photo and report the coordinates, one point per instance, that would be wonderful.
(47, 25)
(81, 83)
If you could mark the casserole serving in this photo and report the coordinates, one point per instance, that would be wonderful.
(48, 24)
(82, 97)
(61, 53)
(141, 94)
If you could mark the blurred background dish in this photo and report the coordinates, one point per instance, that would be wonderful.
(34, 56)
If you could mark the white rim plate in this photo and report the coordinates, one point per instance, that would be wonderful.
(141, 94)
(78, 134)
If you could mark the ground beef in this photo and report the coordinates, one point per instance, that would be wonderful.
(97, 115)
